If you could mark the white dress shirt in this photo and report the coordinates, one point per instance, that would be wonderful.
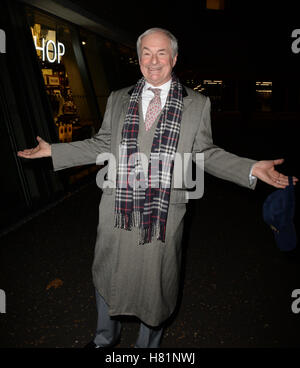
(252, 178)
(147, 95)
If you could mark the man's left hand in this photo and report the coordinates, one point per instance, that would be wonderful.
(265, 171)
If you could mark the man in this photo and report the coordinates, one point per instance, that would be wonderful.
(138, 249)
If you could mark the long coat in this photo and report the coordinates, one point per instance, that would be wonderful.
(143, 280)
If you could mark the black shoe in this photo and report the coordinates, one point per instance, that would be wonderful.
(92, 345)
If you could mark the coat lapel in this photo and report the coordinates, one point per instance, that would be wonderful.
(126, 99)
(125, 104)
(186, 101)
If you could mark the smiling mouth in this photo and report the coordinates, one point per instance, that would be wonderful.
(154, 70)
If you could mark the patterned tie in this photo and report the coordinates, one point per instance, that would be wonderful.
(154, 108)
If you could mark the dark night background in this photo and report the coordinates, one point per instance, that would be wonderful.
(258, 31)
(236, 284)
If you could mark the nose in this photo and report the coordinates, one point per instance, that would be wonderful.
(154, 59)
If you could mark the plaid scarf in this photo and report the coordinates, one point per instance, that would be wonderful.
(143, 201)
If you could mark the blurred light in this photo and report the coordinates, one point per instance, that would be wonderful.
(215, 4)
(209, 81)
(264, 83)
(264, 90)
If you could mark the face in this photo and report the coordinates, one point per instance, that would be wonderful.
(156, 61)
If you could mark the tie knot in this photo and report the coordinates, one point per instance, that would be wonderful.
(156, 91)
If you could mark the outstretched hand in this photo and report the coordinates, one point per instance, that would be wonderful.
(265, 171)
(43, 149)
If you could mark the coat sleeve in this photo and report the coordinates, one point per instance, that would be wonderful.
(217, 161)
(84, 152)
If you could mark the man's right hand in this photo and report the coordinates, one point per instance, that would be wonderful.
(43, 149)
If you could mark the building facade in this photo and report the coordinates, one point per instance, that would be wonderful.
(58, 68)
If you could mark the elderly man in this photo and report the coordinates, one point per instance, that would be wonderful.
(138, 248)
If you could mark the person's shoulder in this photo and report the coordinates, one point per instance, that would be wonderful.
(122, 91)
(195, 95)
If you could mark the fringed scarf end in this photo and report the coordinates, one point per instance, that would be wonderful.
(127, 221)
(156, 231)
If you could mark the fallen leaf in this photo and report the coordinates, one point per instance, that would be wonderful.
(55, 284)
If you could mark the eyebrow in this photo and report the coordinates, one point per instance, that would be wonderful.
(146, 48)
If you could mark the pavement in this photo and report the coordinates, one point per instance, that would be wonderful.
(236, 285)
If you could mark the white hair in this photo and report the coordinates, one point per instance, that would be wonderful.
(173, 40)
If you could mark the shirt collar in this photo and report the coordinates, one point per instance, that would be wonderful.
(164, 87)
(184, 91)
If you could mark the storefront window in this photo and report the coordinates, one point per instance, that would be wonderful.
(129, 64)
(213, 89)
(116, 67)
(263, 96)
(91, 47)
(222, 93)
(55, 44)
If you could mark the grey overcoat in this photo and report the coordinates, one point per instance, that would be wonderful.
(142, 280)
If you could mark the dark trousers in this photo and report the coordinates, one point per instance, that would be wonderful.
(109, 329)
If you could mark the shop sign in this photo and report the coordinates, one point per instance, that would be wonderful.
(2, 42)
(50, 50)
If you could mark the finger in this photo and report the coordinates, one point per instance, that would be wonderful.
(22, 152)
(283, 180)
(275, 175)
(278, 161)
(278, 182)
(295, 180)
(35, 149)
(26, 155)
(27, 152)
(284, 177)
(279, 186)
(279, 176)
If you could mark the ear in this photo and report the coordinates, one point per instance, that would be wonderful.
(174, 60)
